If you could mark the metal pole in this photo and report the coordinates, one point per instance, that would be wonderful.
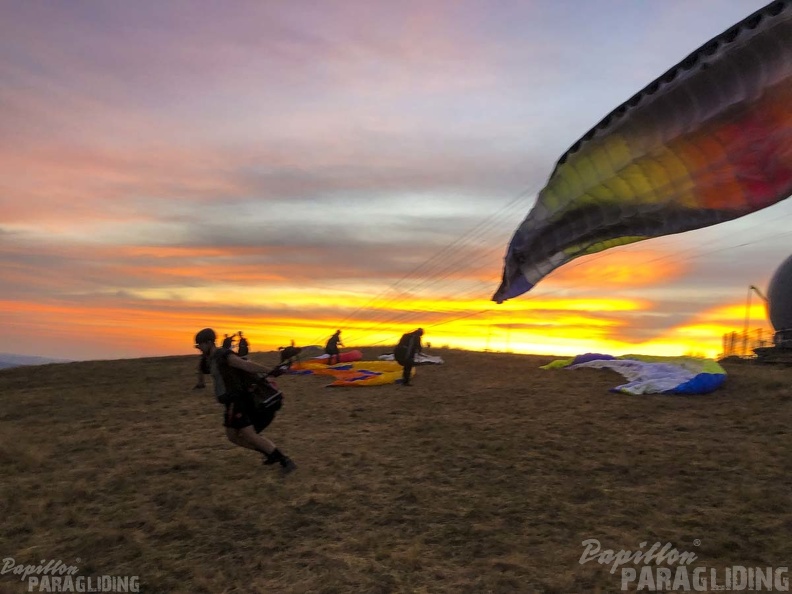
(747, 318)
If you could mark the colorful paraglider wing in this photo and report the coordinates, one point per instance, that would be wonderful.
(369, 378)
(654, 375)
(353, 374)
(707, 142)
(345, 357)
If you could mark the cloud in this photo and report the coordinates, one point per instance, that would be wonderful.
(167, 165)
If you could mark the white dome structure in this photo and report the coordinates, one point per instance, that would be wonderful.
(779, 297)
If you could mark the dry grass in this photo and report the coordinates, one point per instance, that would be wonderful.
(485, 476)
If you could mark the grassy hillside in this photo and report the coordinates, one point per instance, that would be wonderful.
(485, 476)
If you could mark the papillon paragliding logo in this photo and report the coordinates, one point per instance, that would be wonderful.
(663, 568)
(56, 576)
(708, 141)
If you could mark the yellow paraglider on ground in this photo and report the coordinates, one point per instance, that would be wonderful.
(356, 373)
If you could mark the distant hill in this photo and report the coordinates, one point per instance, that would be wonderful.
(10, 360)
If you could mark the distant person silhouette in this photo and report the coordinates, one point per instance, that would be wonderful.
(228, 341)
(243, 348)
(331, 348)
(243, 422)
(289, 353)
(404, 353)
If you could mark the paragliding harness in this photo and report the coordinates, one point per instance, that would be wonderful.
(265, 394)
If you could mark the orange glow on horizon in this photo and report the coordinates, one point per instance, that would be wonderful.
(160, 322)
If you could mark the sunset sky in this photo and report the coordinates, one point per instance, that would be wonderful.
(292, 168)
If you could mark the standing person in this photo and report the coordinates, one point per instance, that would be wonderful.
(242, 421)
(243, 348)
(331, 348)
(289, 353)
(228, 341)
(405, 351)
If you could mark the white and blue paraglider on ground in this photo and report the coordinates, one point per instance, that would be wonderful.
(653, 375)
